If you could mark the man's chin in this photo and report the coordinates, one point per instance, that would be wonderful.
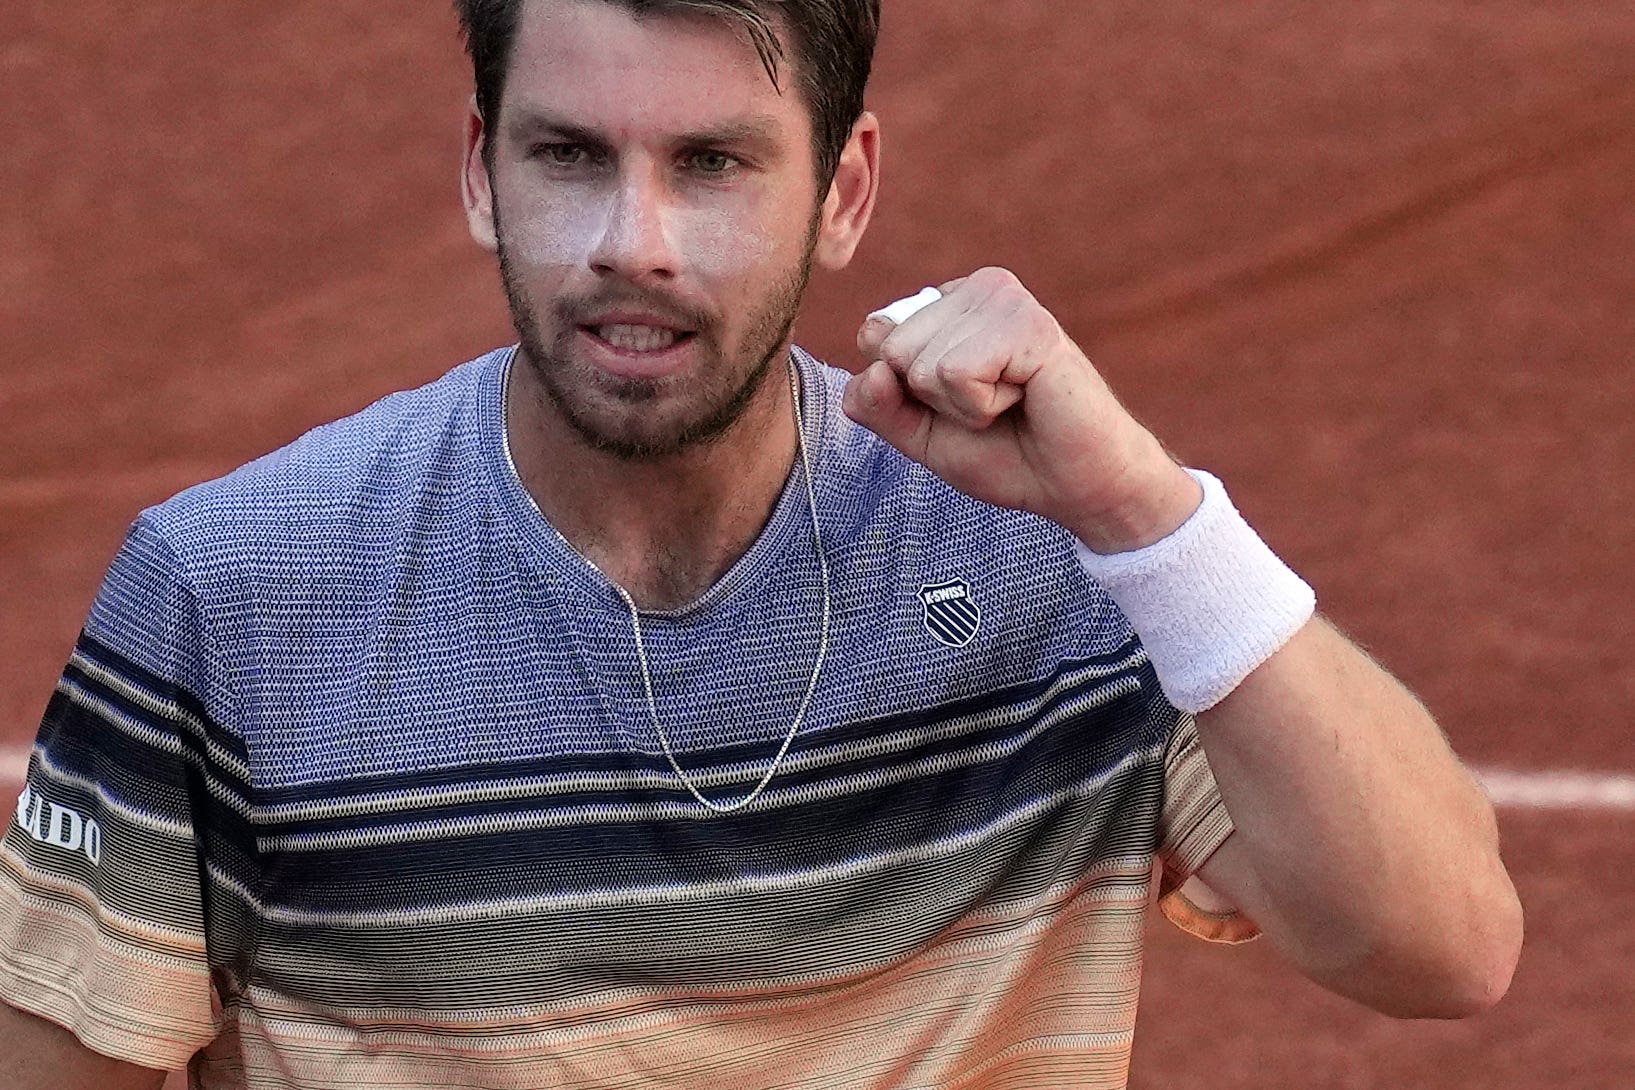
(642, 429)
(645, 419)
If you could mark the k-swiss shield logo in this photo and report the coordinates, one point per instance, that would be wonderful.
(950, 614)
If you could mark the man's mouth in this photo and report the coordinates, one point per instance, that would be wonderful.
(639, 338)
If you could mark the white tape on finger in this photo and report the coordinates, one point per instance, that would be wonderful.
(904, 309)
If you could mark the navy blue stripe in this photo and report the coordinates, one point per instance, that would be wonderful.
(640, 853)
(84, 749)
(630, 764)
(749, 753)
(149, 779)
(81, 742)
(163, 689)
(593, 855)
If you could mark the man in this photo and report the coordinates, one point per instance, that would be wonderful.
(648, 704)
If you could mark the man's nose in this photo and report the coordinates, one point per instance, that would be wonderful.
(636, 242)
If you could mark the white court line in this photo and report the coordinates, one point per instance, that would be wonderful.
(1509, 789)
(1512, 790)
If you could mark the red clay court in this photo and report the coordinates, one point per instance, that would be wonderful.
(1373, 264)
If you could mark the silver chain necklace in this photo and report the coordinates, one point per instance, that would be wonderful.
(636, 621)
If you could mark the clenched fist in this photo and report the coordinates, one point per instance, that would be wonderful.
(985, 389)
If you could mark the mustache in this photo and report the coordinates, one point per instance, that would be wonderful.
(578, 310)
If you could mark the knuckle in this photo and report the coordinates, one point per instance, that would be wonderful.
(894, 355)
(999, 279)
(922, 380)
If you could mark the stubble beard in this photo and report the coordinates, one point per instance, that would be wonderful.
(623, 432)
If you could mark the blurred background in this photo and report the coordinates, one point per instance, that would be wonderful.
(1372, 263)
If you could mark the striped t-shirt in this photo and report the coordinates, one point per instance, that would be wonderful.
(351, 782)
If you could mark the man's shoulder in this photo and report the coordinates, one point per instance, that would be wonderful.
(351, 476)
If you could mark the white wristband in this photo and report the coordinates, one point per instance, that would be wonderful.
(1210, 602)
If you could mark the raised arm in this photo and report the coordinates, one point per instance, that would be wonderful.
(1363, 848)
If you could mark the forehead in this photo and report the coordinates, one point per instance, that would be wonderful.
(641, 75)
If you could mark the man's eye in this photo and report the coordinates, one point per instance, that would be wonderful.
(712, 162)
(562, 155)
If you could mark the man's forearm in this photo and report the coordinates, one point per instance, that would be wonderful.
(40, 1055)
(1363, 849)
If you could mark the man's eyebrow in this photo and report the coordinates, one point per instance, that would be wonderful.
(757, 131)
(527, 123)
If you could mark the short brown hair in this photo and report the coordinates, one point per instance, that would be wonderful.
(832, 40)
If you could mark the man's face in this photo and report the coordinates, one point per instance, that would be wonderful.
(655, 210)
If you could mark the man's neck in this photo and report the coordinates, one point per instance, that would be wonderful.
(665, 529)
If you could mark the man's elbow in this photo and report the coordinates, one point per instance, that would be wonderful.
(1464, 979)
(1490, 966)
(1471, 988)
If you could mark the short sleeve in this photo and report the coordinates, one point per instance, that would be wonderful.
(101, 869)
(1193, 823)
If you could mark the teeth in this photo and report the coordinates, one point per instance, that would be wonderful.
(637, 338)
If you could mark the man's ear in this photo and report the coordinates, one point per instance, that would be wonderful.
(850, 202)
(476, 185)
